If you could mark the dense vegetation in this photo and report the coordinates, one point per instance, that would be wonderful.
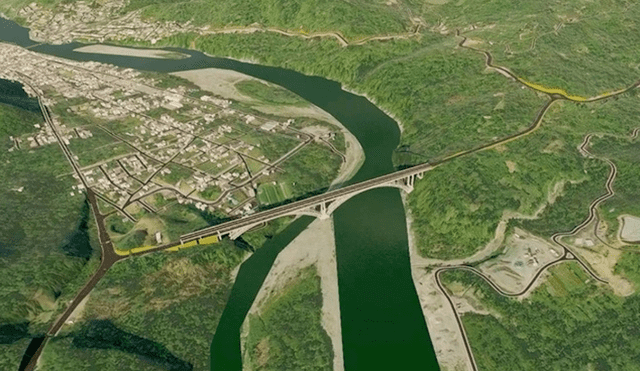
(623, 151)
(351, 18)
(585, 47)
(460, 215)
(166, 306)
(288, 333)
(44, 236)
(11, 354)
(312, 169)
(12, 94)
(61, 355)
(15, 122)
(568, 323)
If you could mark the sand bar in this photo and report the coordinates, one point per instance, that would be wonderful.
(446, 338)
(314, 246)
(131, 52)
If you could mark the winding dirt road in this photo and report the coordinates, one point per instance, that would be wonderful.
(109, 257)
(568, 255)
(553, 92)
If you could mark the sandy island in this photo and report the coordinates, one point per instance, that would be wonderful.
(222, 83)
(131, 52)
(314, 246)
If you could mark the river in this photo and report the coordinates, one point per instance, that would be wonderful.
(383, 327)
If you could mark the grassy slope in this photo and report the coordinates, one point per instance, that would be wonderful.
(288, 334)
(34, 224)
(624, 153)
(585, 47)
(171, 301)
(567, 323)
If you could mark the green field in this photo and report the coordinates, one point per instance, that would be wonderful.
(97, 148)
(270, 94)
(288, 334)
(310, 170)
(211, 193)
(269, 193)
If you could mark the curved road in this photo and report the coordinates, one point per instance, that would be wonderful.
(567, 255)
(109, 256)
(553, 92)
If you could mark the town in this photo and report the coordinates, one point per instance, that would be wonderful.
(150, 144)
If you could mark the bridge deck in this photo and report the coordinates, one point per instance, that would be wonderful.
(287, 209)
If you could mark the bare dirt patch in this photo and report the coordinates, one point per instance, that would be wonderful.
(523, 256)
(630, 228)
(601, 258)
(445, 335)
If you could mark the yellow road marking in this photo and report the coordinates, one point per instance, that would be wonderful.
(553, 91)
(208, 240)
(188, 244)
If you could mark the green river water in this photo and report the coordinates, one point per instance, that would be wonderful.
(383, 327)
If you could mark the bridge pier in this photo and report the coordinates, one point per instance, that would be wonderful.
(319, 206)
(323, 211)
(238, 232)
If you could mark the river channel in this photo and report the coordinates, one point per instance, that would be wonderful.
(383, 327)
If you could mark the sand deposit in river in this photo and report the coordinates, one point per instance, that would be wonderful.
(131, 52)
(314, 246)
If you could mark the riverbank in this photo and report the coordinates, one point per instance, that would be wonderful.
(222, 83)
(314, 246)
(443, 328)
(370, 231)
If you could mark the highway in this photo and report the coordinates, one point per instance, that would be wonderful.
(109, 256)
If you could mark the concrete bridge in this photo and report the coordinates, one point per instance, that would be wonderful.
(319, 206)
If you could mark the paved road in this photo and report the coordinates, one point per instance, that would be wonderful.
(109, 257)
(567, 255)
